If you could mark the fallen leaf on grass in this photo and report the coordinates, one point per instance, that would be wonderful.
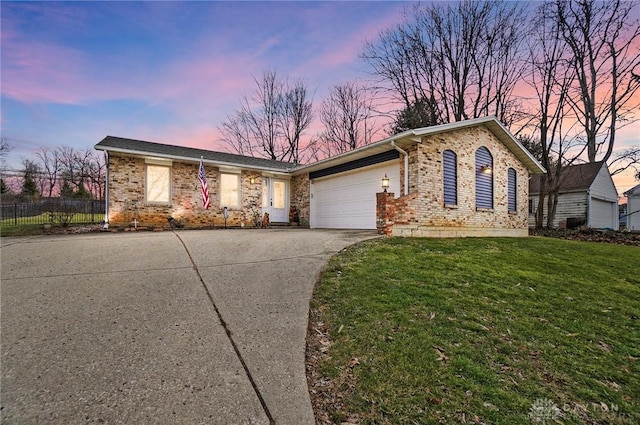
(605, 347)
(441, 356)
(435, 400)
(354, 362)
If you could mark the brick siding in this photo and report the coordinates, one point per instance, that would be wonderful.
(423, 212)
(300, 196)
(127, 196)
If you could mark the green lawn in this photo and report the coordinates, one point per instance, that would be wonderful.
(35, 225)
(496, 331)
(77, 218)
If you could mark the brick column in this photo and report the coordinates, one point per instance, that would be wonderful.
(385, 212)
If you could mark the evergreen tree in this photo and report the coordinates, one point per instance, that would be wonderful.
(422, 113)
(29, 186)
(3, 187)
(66, 191)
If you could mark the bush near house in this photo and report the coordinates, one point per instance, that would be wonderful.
(494, 331)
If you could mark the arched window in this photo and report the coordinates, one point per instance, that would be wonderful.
(512, 190)
(484, 179)
(450, 177)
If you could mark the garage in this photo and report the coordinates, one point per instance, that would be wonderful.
(347, 200)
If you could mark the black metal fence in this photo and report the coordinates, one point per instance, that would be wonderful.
(56, 211)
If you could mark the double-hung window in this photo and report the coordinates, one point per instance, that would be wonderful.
(157, 183)
(230, 190)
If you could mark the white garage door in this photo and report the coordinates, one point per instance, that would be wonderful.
(348, 200)
(602, 214)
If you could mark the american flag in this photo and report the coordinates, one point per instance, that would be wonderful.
(206, 202)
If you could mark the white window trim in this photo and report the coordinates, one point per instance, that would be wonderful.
(238, 204)
(158, 164)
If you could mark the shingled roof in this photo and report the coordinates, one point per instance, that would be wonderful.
(140, 147)
(574, 178)
(634, 191)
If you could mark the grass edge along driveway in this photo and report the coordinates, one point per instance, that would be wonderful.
(497, 331)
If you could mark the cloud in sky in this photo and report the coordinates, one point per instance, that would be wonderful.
(73, 72)
(151, 68)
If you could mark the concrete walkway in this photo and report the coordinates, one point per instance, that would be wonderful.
(183, 327)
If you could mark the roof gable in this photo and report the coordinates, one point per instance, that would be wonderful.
(574, 178)
(634, 191)
(140, 147)
(415, 136)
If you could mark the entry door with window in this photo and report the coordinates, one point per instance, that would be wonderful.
(275, 200)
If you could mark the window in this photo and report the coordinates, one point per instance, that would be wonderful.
(484, 179)
(230, 190)
(532, 206)
(512, 190)
(450, 177)
(279, 194)
(158, 184)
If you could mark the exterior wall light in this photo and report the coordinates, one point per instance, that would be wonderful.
(385, 183)
(486, 169)
(252, 180)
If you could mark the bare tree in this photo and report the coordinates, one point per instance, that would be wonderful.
(96, 176)
(348, 117)
(626, 159)
(604, 40)
(466, 56)
(50, 166)
(550, 78)
(78, 170)
(4, 148)
(296, 116)
(270, 123)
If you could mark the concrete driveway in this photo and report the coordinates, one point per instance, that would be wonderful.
(182, 327)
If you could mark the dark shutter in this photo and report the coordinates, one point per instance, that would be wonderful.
(511, 176)
(450, 177)
(484, 179)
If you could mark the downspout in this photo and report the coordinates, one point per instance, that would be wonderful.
(406, 166)
(589, 207)
(106, 193)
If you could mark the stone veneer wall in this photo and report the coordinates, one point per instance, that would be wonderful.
(127, 196)
(300, 196)
(423, 212)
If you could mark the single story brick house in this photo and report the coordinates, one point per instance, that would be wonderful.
(587, 196)
(468, 178)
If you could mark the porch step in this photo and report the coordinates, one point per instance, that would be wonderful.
(279, 224)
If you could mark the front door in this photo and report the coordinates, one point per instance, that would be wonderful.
(275, 200)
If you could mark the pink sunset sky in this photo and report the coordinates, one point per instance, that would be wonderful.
(170, 72)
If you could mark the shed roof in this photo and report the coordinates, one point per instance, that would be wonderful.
(142, 148)
(574, 178)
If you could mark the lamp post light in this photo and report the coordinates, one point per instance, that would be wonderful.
(385, 183)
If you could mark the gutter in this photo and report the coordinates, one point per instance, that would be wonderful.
(406, 166)
(191, 159)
